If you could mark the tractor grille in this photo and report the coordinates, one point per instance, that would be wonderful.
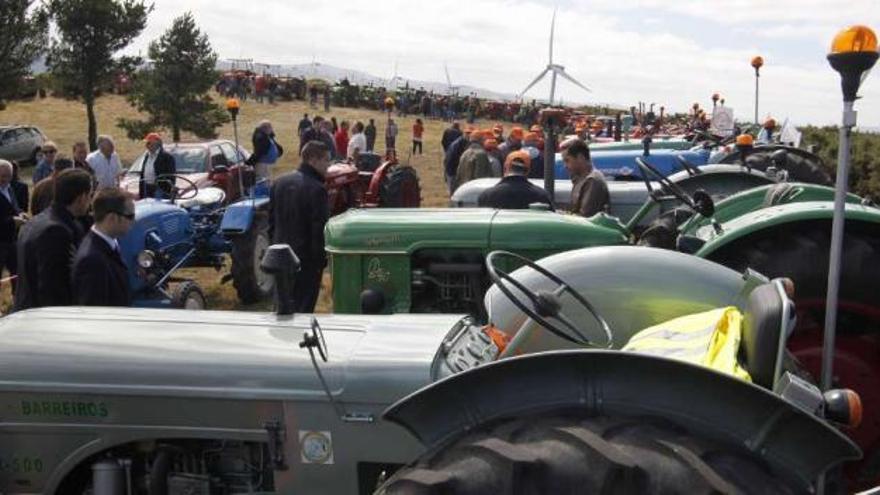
(171, 225)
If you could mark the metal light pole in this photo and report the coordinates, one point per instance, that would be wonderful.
(853, 53)
(233, 106)
(757, 63)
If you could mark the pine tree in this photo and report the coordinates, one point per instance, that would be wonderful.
(174, 91)
(90, 33)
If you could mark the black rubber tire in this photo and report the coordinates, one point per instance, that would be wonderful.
(802, 166)
(801, 251)
(187, 293)
(400, 189)
(663, 231)
(560, 455)
(250, 284)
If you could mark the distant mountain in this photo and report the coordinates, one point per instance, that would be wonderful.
(318, 70)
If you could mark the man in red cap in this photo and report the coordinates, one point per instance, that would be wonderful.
(513, 142)
(157, 167)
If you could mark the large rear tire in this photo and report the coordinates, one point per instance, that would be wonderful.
(400, 189)
(573, 454)
(251, 284)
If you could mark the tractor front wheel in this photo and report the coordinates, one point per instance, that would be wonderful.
(188, 295)
(251, 283)
(577, 454)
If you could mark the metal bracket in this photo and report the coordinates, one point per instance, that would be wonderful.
(277, 434)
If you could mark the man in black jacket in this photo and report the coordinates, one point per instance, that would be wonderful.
(298, 212)
(453, 156)
(450, 135)
(100, 277)
(156, 169)
(47, 244)
(514, 191)
(267, 151)
(11, 216)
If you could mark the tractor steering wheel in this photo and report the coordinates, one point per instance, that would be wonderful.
(176, 192)
(672, 187)
(544, 304)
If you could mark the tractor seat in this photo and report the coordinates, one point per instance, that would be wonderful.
(206, 196)
(767, 309)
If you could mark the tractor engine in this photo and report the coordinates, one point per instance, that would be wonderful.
(447, 281)
(181, 467)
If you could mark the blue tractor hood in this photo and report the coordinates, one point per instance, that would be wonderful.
(621, 164)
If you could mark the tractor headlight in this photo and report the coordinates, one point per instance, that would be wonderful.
(146, 259)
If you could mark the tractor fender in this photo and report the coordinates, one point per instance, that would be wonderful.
(371, 198)
(774, 216)
(624, 383)
(239, 216)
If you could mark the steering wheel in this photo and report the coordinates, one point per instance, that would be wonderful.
(672, 187)
(176, 192)
(321, 344)
(546, 305)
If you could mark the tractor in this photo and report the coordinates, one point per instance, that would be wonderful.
(544, 399)
(372, 182)
(197, 227)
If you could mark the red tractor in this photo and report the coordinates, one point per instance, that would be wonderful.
(372, 182)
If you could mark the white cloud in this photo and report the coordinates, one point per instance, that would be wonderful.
(502, 45)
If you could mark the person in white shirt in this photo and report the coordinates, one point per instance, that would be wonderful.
(105, 163)
(358, 142)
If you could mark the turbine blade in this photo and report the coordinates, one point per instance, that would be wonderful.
(537, 79)
(448, 80)
(573, 81)
(552, 29)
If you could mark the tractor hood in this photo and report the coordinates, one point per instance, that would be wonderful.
(403, 230)
(110, 351)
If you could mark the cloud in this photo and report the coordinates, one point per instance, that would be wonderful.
(616, 48)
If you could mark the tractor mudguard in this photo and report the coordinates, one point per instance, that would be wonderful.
(239, 216)
(623, 383)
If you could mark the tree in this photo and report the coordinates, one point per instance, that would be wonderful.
(23, 36)
(175, 90)
(90, 33)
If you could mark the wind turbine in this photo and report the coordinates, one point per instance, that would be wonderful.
(452, 89)
(392, 83)
(554, 70)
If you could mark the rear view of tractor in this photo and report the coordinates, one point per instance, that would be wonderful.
(373, 182)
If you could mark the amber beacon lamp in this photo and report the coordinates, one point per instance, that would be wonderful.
(853, 54)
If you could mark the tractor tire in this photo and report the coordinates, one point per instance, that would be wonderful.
(569, 454)
(802, 166)
(251, 284)
(400, 189)
(188, 295)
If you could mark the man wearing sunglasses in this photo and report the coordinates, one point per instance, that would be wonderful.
(47, 163)
(100, 276)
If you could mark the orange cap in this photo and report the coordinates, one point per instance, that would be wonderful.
(152, 137)
(745, 140)
(520, 155)
(517, 133)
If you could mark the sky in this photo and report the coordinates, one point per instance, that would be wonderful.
(671, 52)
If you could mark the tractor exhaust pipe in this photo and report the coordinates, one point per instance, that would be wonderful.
(281, 262)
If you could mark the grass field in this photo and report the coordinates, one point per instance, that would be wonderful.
(64, 122)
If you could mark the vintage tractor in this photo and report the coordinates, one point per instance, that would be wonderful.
(197, 228)
(119, 401)
(372, 182)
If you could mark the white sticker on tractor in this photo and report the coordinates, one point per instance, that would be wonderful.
(316, 447)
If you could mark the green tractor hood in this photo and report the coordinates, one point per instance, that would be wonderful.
(393, 251)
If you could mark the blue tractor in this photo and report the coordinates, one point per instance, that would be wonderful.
(197, 228)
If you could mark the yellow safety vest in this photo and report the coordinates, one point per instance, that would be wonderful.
(710, 339)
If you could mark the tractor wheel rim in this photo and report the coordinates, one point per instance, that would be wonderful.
(194, 301)
(264, 280)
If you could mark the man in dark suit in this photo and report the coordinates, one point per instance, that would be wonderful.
(11, 216)
(514, 191)
(100, 276)
(157, 166)
(48, 242)
(298, 212)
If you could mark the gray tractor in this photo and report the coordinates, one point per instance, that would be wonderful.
(541, 400)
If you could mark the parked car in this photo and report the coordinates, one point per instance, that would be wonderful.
(21, 143)
(205, 164)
